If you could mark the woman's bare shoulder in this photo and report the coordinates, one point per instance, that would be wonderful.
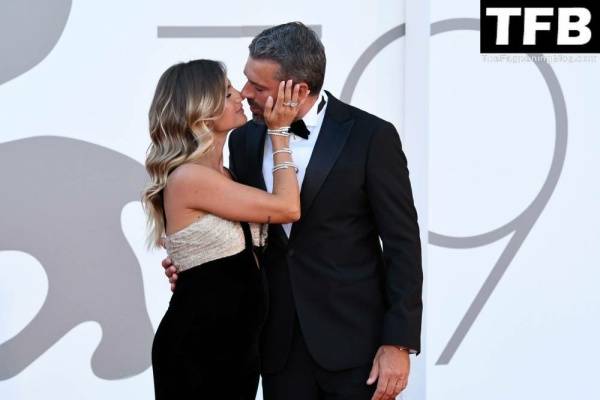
(190, 175)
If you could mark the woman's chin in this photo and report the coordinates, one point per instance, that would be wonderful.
(242, 120)
(239, 121)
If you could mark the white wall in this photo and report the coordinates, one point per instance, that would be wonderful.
(504, 148)
(482, 143)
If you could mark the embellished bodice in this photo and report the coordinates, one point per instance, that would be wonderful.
(210, 238)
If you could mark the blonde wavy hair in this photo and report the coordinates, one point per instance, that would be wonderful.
(188, 97)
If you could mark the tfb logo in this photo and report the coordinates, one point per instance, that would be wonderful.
(540, 26)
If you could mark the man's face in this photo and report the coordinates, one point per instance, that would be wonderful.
(262, 83)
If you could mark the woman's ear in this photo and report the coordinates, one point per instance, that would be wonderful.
(207, 123)
(199, 127)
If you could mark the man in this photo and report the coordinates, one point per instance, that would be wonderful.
(343, 312)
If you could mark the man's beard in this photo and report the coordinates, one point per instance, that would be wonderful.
(256, 117)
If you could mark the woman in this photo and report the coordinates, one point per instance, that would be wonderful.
(207, 343)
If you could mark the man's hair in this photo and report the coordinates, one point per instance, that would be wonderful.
(297, 49)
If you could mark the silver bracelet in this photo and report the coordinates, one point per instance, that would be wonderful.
(283, 150)
(283, 131)
(279, 168)
(277, 133)
(285, 165)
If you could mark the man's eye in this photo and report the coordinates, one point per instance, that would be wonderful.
(259, 90)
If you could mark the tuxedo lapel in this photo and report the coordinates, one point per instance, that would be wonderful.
(332, 137)
(255, 149)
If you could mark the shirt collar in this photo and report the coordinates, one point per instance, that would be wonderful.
(312, 116)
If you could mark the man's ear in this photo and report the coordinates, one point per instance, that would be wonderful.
(303, 93)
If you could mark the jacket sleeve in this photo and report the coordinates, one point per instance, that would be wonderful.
(391, 200)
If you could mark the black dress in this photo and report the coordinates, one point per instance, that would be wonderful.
(206, 346)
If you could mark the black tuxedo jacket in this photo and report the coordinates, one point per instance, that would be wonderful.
(350, 295)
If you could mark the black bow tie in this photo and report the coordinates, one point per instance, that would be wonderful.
(299, 128)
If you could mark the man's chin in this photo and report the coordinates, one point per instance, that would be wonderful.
(258, 119)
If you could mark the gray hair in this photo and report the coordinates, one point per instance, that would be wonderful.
(297, 49)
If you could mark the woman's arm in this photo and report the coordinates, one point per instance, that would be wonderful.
(201, 188)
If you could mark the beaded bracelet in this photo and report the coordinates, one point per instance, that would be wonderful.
(283, 150)
(283, 131)
(285, 165)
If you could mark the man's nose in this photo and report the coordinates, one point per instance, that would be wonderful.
(247, 92)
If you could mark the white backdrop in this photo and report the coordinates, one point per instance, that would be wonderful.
(480, 137)
(511, 143)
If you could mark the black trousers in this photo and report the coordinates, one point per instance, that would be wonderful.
(303, 379)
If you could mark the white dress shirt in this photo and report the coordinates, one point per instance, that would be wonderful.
(301, 149)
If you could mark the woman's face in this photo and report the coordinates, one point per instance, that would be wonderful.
(233, 114)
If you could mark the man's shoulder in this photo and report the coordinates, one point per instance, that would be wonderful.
(367, 117)
(359, 115)
(239, 134)
(240, 130)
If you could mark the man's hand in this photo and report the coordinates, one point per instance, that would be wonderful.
(170, 271)
(391, 367)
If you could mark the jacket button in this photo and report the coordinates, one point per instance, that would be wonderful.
(291, 253)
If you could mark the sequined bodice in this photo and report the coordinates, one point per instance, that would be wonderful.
(209, 238)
